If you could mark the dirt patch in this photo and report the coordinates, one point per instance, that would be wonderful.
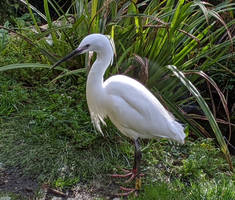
(12, 180)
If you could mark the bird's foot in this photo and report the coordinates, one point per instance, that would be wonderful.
(128, 191)
(128, 173)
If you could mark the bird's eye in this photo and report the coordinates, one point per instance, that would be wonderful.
(87, 46)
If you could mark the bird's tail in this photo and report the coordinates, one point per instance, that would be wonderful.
(178, 131)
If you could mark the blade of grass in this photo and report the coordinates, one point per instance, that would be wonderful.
(217, 47)
(34, 9)
(176, 18)
(27, 65)
(49, 21)
(187, 49)
(32, 16)
(195, 116)
(94, 16)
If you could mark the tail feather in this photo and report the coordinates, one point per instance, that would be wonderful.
(178, 131)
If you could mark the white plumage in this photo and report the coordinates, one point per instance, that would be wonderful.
(140, 115)
(131, 107)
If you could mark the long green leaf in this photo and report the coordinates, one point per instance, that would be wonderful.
(27, 65)
(94, 17)
(187, 83)
(49, 21)
(176, 18)
(187, 49)
(30, 7)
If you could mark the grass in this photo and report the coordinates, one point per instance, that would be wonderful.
(11, 196)
(219, 190)
(53, 124)
(182, 33)
(46, 131)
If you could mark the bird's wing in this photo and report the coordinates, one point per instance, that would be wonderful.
(137, 113)
(135, 95)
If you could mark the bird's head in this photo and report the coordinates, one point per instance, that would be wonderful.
(93, 42)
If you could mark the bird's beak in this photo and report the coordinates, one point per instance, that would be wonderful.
(72, 54)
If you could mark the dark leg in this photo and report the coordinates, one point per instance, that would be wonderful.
(137, 161)
(134, 173)
(138, 156)
(136, 168)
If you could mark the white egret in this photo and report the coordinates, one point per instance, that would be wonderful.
(131, 107)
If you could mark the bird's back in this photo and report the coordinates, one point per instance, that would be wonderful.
(137, 112)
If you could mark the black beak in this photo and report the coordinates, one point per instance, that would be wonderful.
(72, 54)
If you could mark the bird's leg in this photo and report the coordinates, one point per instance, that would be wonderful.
(135, 173)
(137, 160)
(136, 168)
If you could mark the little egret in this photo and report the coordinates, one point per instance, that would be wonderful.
(131, 107)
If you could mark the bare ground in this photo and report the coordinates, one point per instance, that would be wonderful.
(13, 181)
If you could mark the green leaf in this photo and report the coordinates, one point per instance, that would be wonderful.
(27, 65)
(206, 111)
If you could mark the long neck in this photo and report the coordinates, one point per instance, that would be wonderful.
(95, 92)
(95, 76)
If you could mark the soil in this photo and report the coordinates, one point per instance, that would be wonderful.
(13, 181)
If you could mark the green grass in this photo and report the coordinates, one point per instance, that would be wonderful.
(49, 136)
(222, 189)
(10, 196)
(184, 34)
(51, 129)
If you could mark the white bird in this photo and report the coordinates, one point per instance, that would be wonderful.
(131, 107)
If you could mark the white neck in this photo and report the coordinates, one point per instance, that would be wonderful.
(96, 74)
(94, 85)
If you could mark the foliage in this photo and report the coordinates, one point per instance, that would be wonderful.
(54, 123)
(211, 190)
(12, 196)
(194, 171)
(206, 110)
(179, 33)
(56, 144)
(11, 98)
(8, 8)
(3, 39)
